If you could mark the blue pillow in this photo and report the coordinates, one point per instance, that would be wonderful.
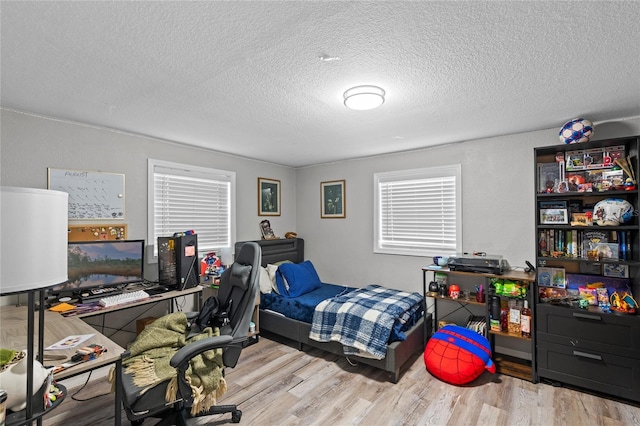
(296, 279)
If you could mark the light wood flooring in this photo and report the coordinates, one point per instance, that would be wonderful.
(275, 384)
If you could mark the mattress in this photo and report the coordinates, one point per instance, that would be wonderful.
(301, 308)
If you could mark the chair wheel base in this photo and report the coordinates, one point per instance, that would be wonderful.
(236, 416)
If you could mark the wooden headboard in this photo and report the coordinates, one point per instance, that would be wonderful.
(277, 250)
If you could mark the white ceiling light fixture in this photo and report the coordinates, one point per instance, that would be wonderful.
(364, 97)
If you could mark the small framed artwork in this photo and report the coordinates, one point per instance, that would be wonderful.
(551, 277)
(615, 270)
(266, 231)
(554, 216)
(332, 199)
(268, 197)
(563, 186)
(548, 177)
(581, 219)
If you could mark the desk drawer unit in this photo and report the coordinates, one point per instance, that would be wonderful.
(615, 333)
(598, 371)
(590, 349)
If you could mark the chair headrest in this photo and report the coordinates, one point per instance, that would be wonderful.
(239, 275)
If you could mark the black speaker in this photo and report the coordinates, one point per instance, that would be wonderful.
(178, 262)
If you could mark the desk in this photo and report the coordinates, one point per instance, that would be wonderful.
(57, 327)
(167, 296)
(14, 332)
(118, 323)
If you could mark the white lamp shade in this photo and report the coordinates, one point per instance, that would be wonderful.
(33, 234)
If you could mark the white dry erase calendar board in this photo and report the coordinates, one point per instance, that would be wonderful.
(92, 195)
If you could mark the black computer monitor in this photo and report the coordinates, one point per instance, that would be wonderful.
(98, 264)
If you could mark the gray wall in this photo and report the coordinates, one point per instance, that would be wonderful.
(497, 203)
(30, 144)
(498, 208)
(497, 184)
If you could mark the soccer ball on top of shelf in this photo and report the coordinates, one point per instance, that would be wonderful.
(576, 131)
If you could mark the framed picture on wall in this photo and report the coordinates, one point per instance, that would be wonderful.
(268, 197)
(332, 199)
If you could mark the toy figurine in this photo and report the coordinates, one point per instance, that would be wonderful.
(625, 304)
(443, 290)
(433, 288)
(210, 264)
(454, 291)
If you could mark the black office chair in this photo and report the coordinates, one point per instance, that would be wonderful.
(238, 290)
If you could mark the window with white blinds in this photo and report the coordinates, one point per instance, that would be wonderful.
(184, 197)
(418, 212)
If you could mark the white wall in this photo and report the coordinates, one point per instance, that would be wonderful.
(497, 202)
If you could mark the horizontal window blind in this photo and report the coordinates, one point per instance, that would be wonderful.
(417, 211)
(198, 199)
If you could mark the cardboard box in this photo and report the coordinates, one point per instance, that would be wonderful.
(142, 323)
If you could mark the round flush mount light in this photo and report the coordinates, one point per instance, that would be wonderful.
(364, 97)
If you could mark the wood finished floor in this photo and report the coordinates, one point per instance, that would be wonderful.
(275, 384)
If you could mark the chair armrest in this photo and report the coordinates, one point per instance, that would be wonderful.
(184, 354)
(191, 315)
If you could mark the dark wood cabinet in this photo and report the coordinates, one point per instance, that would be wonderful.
(586, 346)
(593, 350)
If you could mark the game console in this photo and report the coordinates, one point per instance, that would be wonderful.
(489, 264)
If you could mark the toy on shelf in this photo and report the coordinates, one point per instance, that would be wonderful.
(509, 288)
(625, 303)
(210, 264)
(454, 291)
(613, 212)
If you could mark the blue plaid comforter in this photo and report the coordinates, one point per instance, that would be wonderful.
(362, 319)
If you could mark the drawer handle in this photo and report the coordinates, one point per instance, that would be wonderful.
(586, 316)
(586, 355)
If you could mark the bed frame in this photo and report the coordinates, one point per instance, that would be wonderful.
(398, 353)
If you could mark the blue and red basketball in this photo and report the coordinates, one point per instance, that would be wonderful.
(458, 355)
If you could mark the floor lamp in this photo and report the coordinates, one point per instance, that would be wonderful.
(33, 256)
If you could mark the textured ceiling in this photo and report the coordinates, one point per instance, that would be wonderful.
(246, 77)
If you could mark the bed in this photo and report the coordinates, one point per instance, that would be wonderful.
(298, 329)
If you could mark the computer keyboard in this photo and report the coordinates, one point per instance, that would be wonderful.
(123, 298)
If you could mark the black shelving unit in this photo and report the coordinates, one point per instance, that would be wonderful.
(583, 346)
(523, 369)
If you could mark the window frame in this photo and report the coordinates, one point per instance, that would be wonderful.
(455, 171)
(187, 170)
